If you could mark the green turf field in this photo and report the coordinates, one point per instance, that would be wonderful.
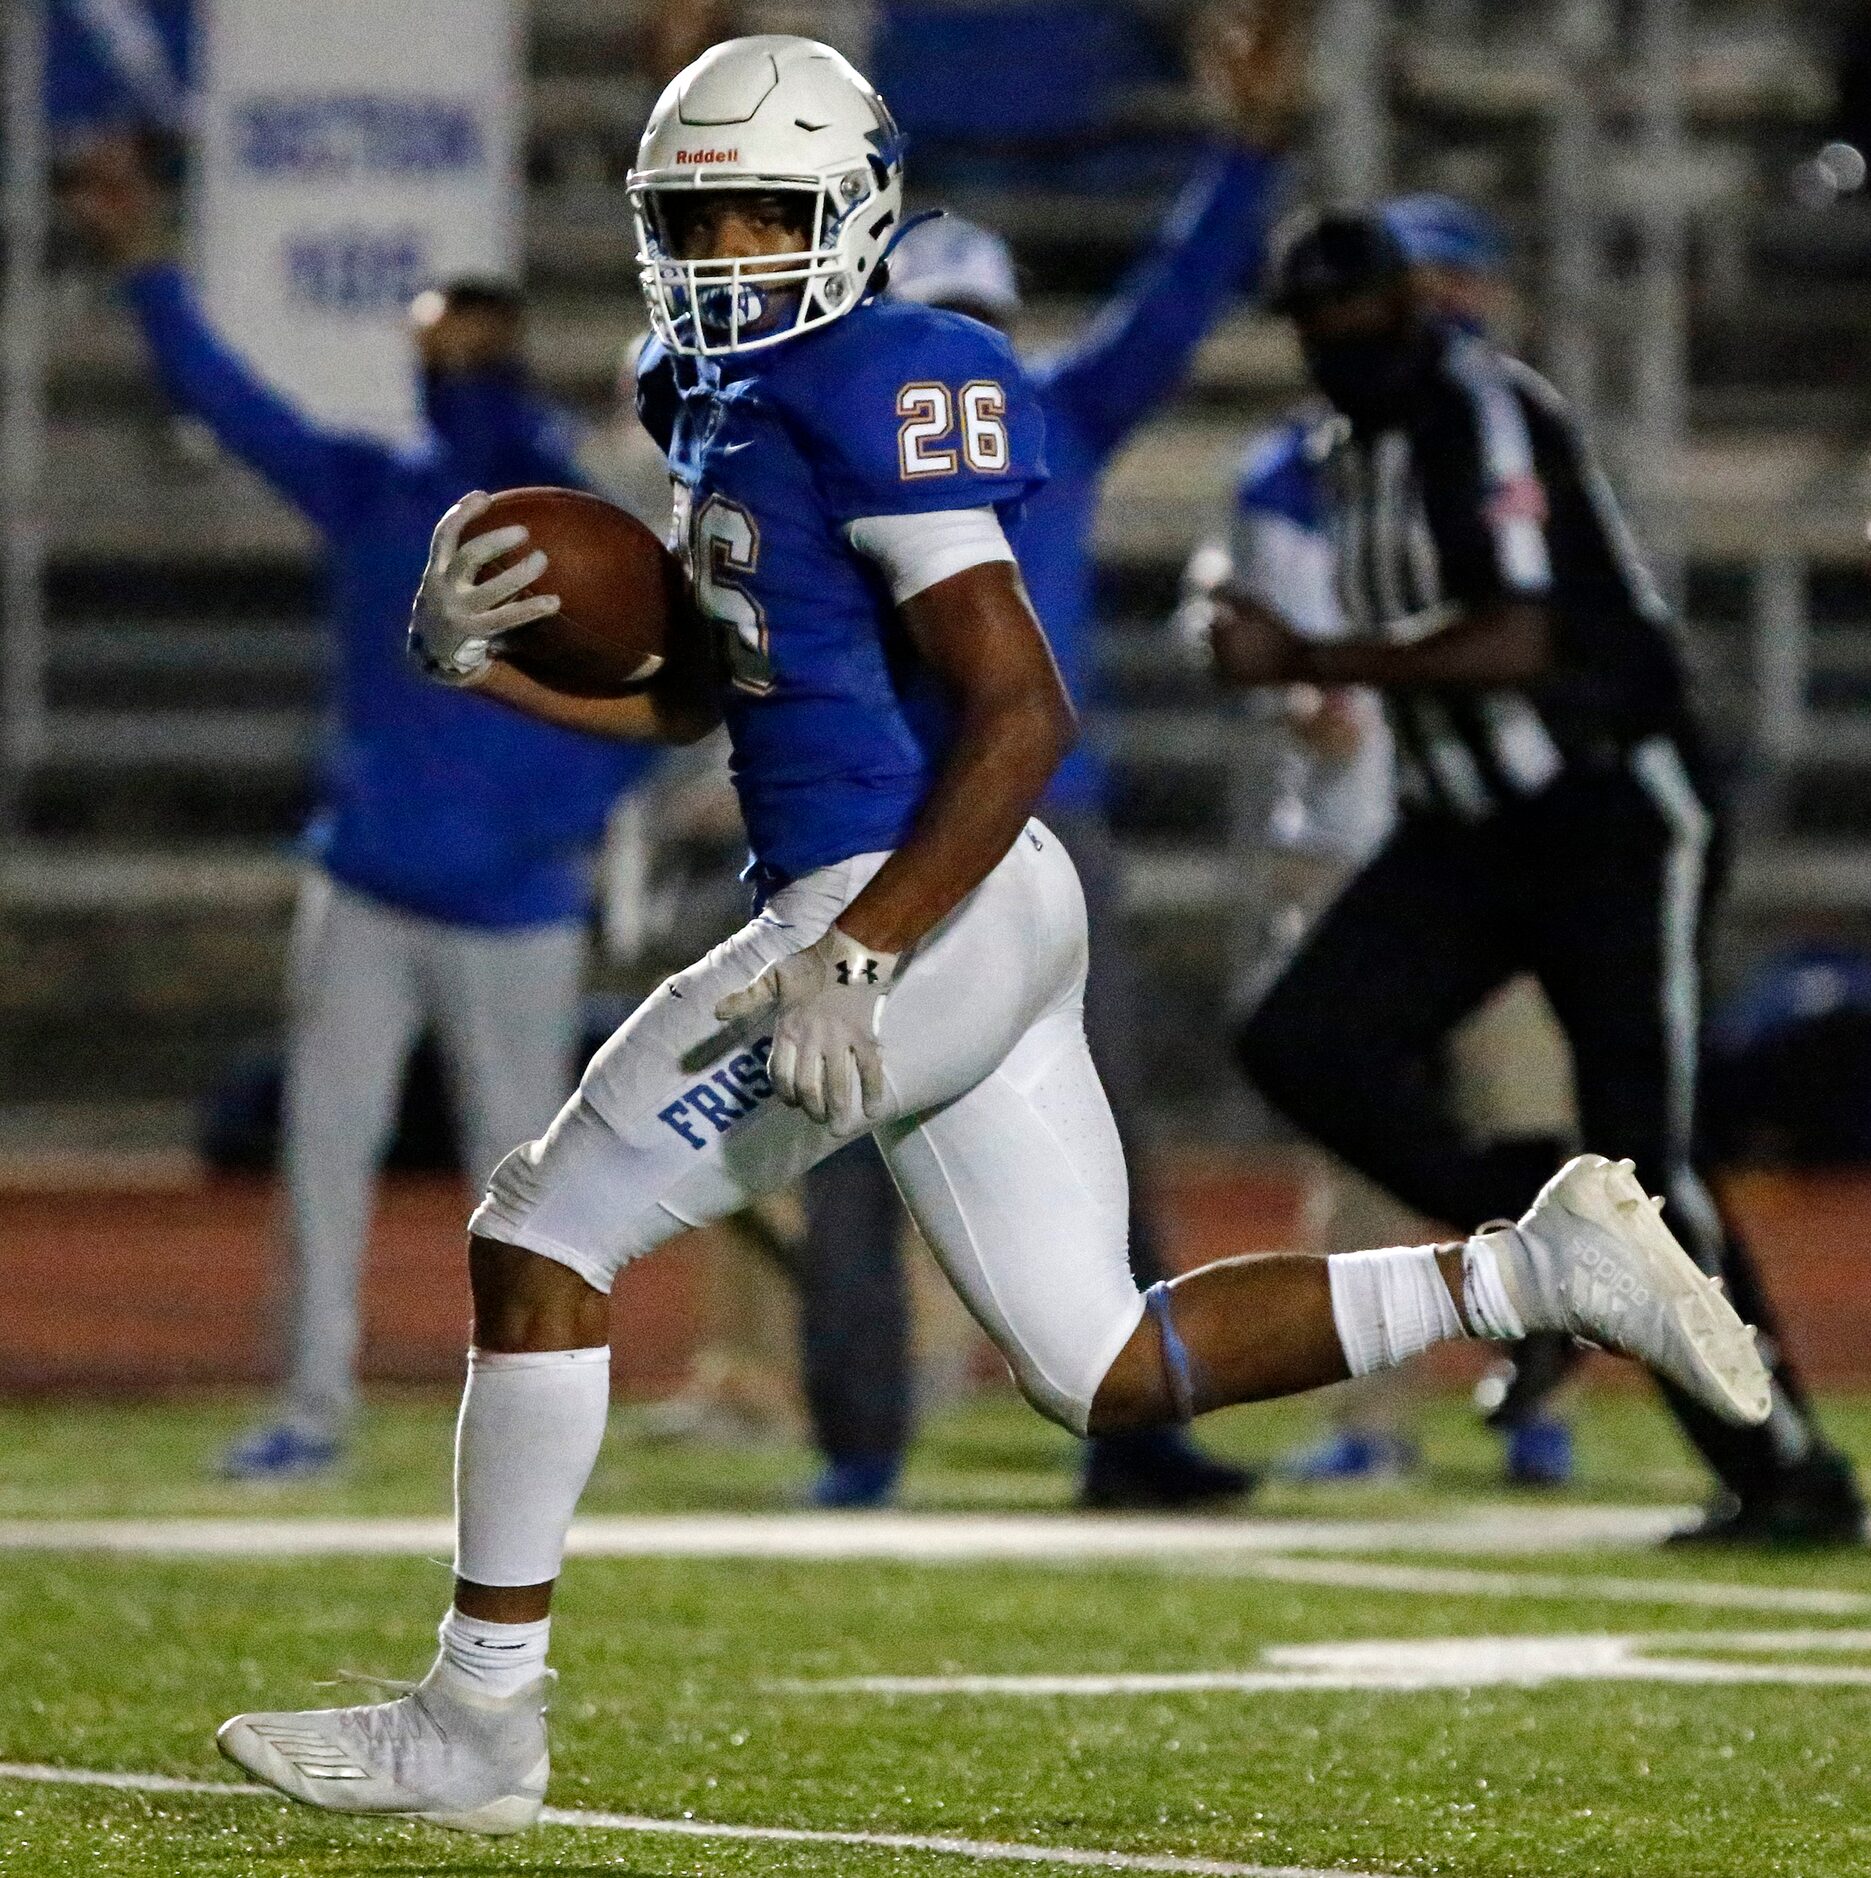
(689, 1685)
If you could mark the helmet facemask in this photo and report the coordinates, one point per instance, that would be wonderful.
(708, 308)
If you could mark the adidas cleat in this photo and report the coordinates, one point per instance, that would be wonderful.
(440, 1752)
(1597, 1262)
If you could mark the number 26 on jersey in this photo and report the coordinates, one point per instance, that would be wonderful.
(942, 429)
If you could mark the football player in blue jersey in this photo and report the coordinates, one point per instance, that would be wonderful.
(848, 471)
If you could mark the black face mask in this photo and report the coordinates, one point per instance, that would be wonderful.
(1374, 378)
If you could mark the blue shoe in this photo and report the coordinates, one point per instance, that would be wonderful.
(280, 1451)
(1352, 1454)
(854, 1484)
(1539, 1453)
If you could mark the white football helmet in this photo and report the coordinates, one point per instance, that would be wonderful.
(771, 114)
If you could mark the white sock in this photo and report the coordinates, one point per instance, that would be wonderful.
(531, 1423)
(1390, 1305)
(1496, 1279)
(498, 1659)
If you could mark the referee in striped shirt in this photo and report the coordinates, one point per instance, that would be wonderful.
(1557, 816)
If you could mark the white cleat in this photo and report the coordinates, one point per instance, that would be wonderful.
(441, 1752)
(1604, 1267)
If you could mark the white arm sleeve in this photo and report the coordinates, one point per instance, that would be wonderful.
(914, 552)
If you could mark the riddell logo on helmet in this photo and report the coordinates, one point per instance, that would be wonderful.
(708, 156)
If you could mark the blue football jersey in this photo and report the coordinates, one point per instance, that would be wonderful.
(838, 727)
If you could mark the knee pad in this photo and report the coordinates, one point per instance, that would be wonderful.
(1066, 1410)
(1067, 1407)
(1064, 1388)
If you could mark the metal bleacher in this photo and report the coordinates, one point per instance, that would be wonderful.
(142, 906)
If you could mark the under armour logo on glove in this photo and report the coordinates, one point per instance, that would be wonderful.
(826, 1058)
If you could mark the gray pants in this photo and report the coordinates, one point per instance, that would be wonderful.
(365, 981)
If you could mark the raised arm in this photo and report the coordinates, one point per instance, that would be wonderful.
(1139, 347)
(114, 202)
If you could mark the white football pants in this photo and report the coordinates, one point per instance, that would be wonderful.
(998, 1132)
(364, 980)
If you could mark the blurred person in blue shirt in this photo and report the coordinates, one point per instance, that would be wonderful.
(1095, 393)
(449, 854)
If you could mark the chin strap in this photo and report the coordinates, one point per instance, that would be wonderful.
(915, 221)
(1178, 1365)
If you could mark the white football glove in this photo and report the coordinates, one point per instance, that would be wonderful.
(458, 616)
(825, 1058)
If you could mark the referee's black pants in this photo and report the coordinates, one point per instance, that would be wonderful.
(1599, 888)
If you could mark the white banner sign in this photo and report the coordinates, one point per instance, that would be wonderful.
(351, 153)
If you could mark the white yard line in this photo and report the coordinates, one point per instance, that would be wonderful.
(983, 1851)
(1245, 1548)
(1581, 1587)
(1420, 1663)
(917, 1538)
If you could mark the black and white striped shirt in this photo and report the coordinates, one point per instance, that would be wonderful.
(1487, 495)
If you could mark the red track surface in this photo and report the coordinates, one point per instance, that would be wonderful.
(170, 1282)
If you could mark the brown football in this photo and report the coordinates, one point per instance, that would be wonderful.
(617, 585)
